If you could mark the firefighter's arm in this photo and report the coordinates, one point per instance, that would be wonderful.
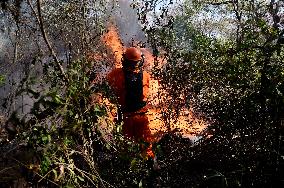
(111, 91)
(102, 96)
(100, 92)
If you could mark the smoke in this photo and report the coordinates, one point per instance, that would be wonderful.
(124, 18)
(128, 25)
(3, 43)
(4, 48)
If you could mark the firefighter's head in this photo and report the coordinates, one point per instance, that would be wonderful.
(132, 59)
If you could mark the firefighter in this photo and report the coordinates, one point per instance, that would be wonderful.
(131, 86)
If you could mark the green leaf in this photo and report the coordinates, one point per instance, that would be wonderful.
(2, 79)
(133, 162)
(80, 178)
(55, 173)
(140, 184)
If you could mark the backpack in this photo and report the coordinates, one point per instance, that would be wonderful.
(134, 91)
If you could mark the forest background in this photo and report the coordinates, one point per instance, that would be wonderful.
(223, 60)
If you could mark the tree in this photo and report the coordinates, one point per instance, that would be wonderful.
(59, 128)
(232, 76)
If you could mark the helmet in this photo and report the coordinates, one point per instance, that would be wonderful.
(133, 54)
(132, 59)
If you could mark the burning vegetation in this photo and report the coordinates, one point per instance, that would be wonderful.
(215, 103)
(159, 100)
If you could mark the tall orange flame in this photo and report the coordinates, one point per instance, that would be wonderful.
(113, 42)
(186, 122)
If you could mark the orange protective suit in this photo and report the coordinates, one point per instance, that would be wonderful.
(135, 124)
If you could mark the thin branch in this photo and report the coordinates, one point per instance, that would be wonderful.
(5, 169)
(44, 35)
(16, 45)
(238, 14)
(220, 3)
(44, 177)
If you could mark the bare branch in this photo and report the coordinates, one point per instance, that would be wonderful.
(221, 3)
(238, 13)
(44, 35)
(16, 45)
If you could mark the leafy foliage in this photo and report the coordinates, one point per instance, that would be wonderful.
(223, 59)
(233, 80)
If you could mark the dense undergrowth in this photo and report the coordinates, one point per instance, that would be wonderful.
(228, 70)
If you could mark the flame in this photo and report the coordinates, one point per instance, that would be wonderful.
(159, 99)
(113, 42)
